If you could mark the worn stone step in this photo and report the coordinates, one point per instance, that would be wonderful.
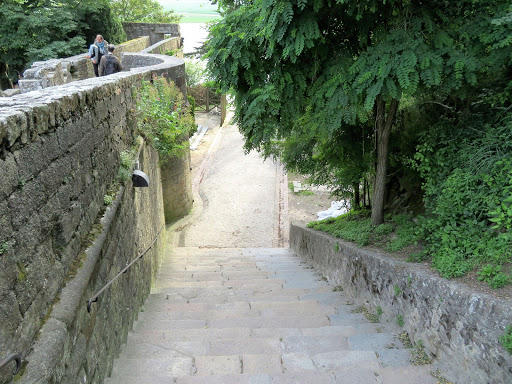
(174, 367)
(220, 285)
(159, 303)
(214, 276)
(167, 337)
(301, 310)
(204, 292)
(251, 322)
(285, 378)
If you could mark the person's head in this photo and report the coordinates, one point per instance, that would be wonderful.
(111, 48)
(99, 38)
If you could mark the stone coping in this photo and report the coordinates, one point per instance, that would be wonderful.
(23, 117)
(459, 327)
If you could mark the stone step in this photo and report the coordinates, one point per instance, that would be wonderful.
(227, 284)
(167, 337)
(255, 316)
(414, 375)
(256, 290)
(214, 276)
(251, 322)
(301, 310)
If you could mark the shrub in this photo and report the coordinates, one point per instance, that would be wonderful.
(163, 117)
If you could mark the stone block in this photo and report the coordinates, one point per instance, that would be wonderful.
(10, 176)
(218, 365)
(257, 363)
(11, 92)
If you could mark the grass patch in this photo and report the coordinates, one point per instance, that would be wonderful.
(506, 339)
(406, 341)
(419, 356)
(400, 320)
(396, 234)
(372, 317)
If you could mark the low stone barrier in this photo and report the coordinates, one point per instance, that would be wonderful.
(172, 44)
(459, 327)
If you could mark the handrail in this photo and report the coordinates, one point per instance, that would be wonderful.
(11, 357)
(95, 297)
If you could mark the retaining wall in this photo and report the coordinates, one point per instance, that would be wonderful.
(162, 47)
(156, 31)
(59, 154)
(458, 326)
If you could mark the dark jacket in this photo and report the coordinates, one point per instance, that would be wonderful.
(109, 56)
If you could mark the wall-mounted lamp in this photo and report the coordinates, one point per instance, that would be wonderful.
(139, 178)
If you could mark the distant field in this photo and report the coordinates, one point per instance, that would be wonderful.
(193, 11)
(198, 18)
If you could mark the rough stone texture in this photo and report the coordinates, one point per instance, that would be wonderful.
(134, 46)
(155, 31)
(164, 46)
(44, 74)
(59, 153)
(177, 187)
(458, 326)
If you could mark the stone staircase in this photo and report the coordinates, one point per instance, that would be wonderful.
(221, 316)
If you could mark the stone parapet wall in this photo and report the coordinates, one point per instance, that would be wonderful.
(133, 46)
(50, 73)
(155, 31)
(458, 326)
(59, 154)
(172, 44)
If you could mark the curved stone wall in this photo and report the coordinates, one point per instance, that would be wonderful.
(59, 155)
(456, 325)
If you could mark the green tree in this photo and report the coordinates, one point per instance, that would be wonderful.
(323, 65)
(148, 11)
(46, 29)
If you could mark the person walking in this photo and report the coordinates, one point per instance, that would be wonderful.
(96, 51)
(110, 64)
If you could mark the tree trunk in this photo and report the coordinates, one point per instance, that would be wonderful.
(357, 198)
(5, 81)
(383, 126)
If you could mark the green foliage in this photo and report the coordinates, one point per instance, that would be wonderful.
(108, 199)
(400, 320)
(308, 74)
(127, 160)
(506, 339)
(192, 105)
(356, 226)
(4, 247)
(466, 163)
(164, 117)
(397, 290)
(48, 29)
(143, 11)
(419, 356)
(195, 72)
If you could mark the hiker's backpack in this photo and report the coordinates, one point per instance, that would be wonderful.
(110, 65)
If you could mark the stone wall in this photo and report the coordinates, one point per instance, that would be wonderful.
(457, 326)
(50, 73)
(172, 44)
(155, 31)
(177, 187)
(133, 46)
(59, 154)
